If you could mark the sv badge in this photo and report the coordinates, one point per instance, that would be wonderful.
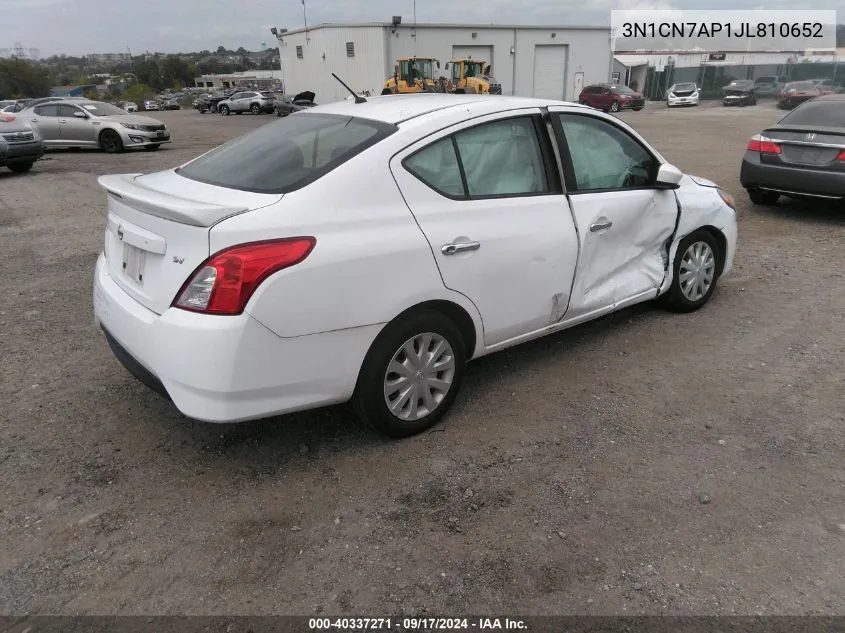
(178, 260)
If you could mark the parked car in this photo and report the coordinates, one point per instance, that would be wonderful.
(611, 98)
(246, 288)
(170, 104)
(151, 105)
(682, 94)
(247, 101)
(20, 145)
(129, 106)
(740, 92)
(301, 101)
(771, 85)
(801, 156)
(207, 102)
(796, 93)
(95, 124)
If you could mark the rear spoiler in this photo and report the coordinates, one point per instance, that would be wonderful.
(126, 189)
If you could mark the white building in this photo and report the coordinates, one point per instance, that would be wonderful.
(246, 79)
(543, 61)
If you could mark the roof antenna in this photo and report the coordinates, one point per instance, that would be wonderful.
(358, 98)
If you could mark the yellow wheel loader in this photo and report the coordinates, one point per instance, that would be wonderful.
(414, 74)
(472, 76)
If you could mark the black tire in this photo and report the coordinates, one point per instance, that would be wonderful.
(111, 142)
(675, 300)
(224, 110)
(637, 109)
(370, 401)
(20, 168)
(152, 148)
(386, 91)
(255, 108)
(764, 198)
(614, 107)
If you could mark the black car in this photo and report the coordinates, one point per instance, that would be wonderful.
(285, 105)
(740, 92)
(208, 102)
(802, 156)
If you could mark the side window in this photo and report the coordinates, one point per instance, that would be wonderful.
(604, 156)
(437, 166)
(502, 158)
(47, 110)
(67, 111)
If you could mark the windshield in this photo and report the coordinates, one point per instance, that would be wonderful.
(683, 87)
(413, 69)
(293, 151)
(817, 113)
(624, 90)
(96, 108)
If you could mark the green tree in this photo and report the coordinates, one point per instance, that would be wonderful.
(20, 78)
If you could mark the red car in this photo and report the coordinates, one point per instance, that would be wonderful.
(611, 98)
(796, 93)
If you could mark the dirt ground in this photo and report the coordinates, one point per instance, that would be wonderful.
(648, 463)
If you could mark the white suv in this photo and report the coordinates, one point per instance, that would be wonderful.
(248, 101)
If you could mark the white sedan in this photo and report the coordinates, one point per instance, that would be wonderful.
(377, 247)
(683, 94)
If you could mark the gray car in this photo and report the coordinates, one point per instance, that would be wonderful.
(95, 124)
(801, 156)
(248, 101)
(20, 145)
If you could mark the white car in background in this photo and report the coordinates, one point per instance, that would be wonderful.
(129, 106)
(368, 250)
(682, 94)
(151, 105)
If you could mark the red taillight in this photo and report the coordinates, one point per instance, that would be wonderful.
(841, 155)
(224, 283)
(762, 145)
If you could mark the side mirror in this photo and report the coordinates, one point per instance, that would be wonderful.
(80, 115)
(668, 177)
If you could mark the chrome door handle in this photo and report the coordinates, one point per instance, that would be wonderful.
(463, 247)
(600, 226)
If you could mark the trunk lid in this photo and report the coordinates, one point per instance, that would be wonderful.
(157, 230)
(807, 146)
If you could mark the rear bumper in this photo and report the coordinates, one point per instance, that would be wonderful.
(227, 369)
(790, 180)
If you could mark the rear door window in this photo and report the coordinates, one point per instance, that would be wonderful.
(288, 154)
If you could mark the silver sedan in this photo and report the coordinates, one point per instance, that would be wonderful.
(95, 124)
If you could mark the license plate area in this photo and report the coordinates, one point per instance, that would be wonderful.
(134, 260)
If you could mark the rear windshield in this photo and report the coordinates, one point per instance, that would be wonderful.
(807, 85)
(817, 112)
(766, 80)
(288, 154)
(623, 90)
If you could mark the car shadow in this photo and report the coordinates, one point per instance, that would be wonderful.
(798, 210)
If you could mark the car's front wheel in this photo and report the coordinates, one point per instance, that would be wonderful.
(224, 110)
(765, 198)
(411, 374)
(111, 142)
(695, 271)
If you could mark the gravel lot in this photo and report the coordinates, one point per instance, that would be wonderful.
(648, 463)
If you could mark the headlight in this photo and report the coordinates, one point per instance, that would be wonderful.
(727, 198)
(131, 126)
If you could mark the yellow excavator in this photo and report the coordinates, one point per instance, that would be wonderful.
(413, 74)
(472, 76)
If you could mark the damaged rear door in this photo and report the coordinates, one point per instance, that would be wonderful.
(487, 197)
(624, 222)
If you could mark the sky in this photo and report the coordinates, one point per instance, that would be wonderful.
(78, 27)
